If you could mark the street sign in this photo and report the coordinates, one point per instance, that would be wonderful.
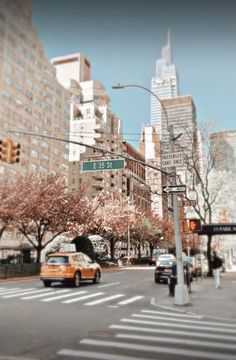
(218, 229)
(100, 165)
(172, 159)
(175, 189)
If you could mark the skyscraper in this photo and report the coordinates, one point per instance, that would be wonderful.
(164, 85)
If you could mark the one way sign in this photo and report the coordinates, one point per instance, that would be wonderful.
(168, 189)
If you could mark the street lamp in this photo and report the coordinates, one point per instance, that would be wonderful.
(181, 290)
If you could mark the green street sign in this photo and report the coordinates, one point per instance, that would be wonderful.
(100, 165)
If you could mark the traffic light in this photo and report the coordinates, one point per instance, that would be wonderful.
(14, 153)
(9, 151)
(194, 225)
(5, 146)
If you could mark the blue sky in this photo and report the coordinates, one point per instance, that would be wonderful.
(122, 39)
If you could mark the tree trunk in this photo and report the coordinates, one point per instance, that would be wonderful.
(112, 248)
(209, 240)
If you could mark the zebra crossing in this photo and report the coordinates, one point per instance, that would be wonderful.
(156, 334)
(69, 296)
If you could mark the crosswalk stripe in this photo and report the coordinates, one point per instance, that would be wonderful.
(19, 293)
(171, 340)
(82, 298)
(44, 294)
(63, 296)
(9, 291)
(159, 349)
(128, 301)
(96, 355)
(95, 302)
(181, 326)
(25, 293)
(172, 314)
(174, 332)
(187, 321)
(105, 285)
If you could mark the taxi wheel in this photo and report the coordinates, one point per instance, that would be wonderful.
(97, 277)
(77, 279)
(47, 283)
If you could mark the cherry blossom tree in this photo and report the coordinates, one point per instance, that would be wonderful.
(45, 209)
(113, 217)
(154, 230)
(8, 204)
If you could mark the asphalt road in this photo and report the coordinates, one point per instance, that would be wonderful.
(118, 319)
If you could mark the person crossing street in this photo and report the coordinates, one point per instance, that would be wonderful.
(216, 266)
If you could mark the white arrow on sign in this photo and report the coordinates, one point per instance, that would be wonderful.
(174, 189)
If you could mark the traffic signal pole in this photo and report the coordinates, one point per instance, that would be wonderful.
(181, 289)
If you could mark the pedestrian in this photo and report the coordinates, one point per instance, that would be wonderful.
(216, 265)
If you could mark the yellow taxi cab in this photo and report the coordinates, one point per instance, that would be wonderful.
(69, 268)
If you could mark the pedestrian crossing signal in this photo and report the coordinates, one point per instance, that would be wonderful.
(194, 225)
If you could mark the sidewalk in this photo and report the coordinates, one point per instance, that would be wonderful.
(205, 299)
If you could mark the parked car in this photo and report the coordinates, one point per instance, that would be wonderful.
(69, 268)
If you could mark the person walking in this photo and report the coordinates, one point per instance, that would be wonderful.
(216, 265)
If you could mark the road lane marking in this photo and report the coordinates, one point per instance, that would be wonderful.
(181, 326)
(95, 355)
(187, 321)
(170, 340)
(63, 296)
(174, 332)
(128, 301)
(95, 302)
(159, 349)
(44, 294)
(116, 283)
(82, 298)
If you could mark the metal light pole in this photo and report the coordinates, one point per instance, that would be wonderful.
(181, 290)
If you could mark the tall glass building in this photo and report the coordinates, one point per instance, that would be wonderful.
(164, 85)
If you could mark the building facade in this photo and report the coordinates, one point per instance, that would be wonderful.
(150, 146)
(223, 146)
(31, 98)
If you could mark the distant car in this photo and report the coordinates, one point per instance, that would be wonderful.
(165, 259)
(69, 268)
(163, 268)
(162, 273)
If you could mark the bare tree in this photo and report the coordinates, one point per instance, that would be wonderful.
(199, 159)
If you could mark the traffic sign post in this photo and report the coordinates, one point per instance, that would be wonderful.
(176, 189)
(101, 165)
